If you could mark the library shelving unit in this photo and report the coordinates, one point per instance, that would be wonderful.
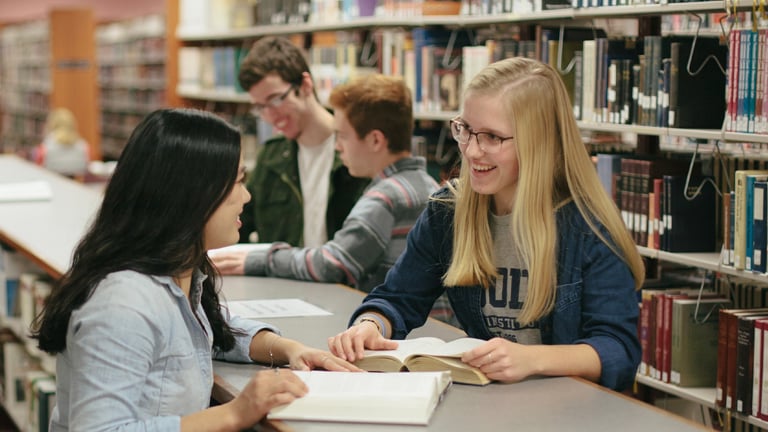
(47, 64)
(647, 16)
(131, 56)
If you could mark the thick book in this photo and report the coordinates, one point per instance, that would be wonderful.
(700, 100)
(692, 219)
(694, 341)
(354, 397)
(427, 354)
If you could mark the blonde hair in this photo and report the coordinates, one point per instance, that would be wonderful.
(555, 167)
(62, 125)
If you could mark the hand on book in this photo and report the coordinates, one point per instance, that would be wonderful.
(265, 390)
(305, 358)
(502, 360)
(351, 344)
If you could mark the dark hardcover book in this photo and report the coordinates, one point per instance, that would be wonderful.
(725, 384)
(625, 116)
(636, 92)
(745, 342)
(700, 96)
(759, 226)
(578, 65)
(694, 338)
(691, 210)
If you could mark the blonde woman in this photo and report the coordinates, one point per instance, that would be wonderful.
(63, 150)
(528, 247)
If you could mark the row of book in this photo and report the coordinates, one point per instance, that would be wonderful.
(29, 391)
(747, 93)
(692, 338)
(678, 332)
(663, 205)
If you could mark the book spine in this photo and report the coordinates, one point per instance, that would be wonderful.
(722, 356)
(759, 226)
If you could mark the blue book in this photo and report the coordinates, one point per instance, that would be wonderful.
(608, 164)
(750, 189)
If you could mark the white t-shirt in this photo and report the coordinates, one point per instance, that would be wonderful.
(315, 165)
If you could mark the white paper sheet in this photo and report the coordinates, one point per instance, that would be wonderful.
(274, 308)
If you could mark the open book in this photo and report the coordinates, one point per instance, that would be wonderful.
(427, 354)
(358, 397)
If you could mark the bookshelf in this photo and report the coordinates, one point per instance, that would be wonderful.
(49, 63)
(131, 56)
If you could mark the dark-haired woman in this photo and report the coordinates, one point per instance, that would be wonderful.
(136, 320)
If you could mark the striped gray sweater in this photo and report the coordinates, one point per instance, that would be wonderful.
(372, 237)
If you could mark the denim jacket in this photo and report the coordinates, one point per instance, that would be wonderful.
(596, 302)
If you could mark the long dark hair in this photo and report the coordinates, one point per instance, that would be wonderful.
(176, 169)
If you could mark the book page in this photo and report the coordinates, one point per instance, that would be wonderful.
(427, 346)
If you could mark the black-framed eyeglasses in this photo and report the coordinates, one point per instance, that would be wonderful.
(273, 102)
(487, 141)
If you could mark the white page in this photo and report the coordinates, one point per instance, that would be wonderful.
(431, 346)
(36, 190)
(274, 308)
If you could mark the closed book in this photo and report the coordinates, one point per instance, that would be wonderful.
(749, 224)
(762, 326)
(759, 226)
(692, 219)
(694, 341)
(427, 354)
(700, 90)
(725, 385)
(745, 342)
(353, 397)
(740, 216)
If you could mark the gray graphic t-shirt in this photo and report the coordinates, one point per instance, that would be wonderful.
(502, 303)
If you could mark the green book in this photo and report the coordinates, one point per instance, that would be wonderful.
(694, 341)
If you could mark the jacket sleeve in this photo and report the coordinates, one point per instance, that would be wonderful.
(415, 281)
(354, 250)
(609, 314)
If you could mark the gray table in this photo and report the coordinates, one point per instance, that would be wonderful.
(46, 232)
(545, 404)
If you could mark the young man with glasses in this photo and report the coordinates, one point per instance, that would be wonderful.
(301, 191)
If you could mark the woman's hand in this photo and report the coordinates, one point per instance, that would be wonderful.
(502, 360)
(351, 344)
(305, 358)
(265, 390)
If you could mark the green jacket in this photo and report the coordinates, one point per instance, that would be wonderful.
(275, 210)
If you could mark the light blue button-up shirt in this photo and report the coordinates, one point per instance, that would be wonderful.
(139, 356)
